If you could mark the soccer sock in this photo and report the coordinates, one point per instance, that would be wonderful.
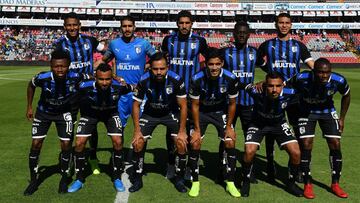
(118, 163)
(305, 165)
(33, 163)
(269, 142)
(139, 161)
(180, 163)
(194, 164)
(230, 164)
(221, 154)
(246, 169)
(170, 148)
(335, 159)
(93, 144)
(79, 158)
(293, 171)
(65, 157)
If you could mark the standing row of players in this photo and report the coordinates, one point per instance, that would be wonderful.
(175, 89)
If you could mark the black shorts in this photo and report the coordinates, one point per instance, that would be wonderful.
(293, 113)
(42, 122)
(149, 123)
(281, 132)
(244, 113)
(87, 125)
(329, 125)
(218, 119)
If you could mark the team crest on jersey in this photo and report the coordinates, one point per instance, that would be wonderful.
(193, 45)
(138, 49)
(294, 49)
(72, 88)
(330, 92)
(86, 46)
(251, 56)
(169, 89)
(115, 97)
(284, 105)
(223, 89)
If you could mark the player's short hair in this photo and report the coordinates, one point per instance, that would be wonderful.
(72, 15)
(104, 67)
(60, 54)
(274, 75)
(157, 57)
(282, 15)
(321, 62)
(128, 18)
(240, 24)
(214, 53)
(184, 13)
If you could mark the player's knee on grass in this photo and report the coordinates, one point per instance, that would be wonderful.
(250, 151)
(80, 144)
(334, 143)
(307, 143)
(117, 142)
(229, 144)
(37, 144)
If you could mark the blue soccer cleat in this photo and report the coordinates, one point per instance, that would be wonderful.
(77, 185)
(119, 186)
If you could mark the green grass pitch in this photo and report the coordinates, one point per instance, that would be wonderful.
(15, 139)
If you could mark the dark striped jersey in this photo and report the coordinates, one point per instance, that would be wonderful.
(184, 54)
(213, 94)
(241, 62)
(81, 52)
(318, 98)
(284, 56)
(95, 101)
(57, 94)
(161, 97)
(269, 111)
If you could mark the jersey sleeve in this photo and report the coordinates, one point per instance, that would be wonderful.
(109, 53)
(261, 54)
(149, 49)
(194, 90)
(139, 92)
(305, 54)
(36, 82)
(96, 44)
(251, 89)
(164, 45)
(343, 87)
(233, 88)
(180, 89)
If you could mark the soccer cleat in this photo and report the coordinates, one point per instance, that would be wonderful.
(170, 171)
(77, 185)
(308, 191)
(137, 184)
(294, 189)
(94, 164)
(231, 188)
(195, 189)
(31, 188)
(336, 189)
(119, 186)
(63, 185)
(179, 185)
(245, 188)
(187, 175)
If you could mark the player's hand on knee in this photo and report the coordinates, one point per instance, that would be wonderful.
(195, 138)
(138, 141)
(30, 114)
(181, 142)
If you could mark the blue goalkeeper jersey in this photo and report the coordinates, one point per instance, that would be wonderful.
(130, 58)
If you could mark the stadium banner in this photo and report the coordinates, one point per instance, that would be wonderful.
(121, 12)
(38, 9)
(80, 10)
(51, 10)
(8, 8)
(25, 9)
(50, 3)
(65, 10)
(228, 13)
(172, 25)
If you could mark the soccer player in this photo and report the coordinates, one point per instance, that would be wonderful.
(99, 103)
(81, 48)
(211, 90)
(317, 88)
(269, 120)
(165, 92)
(183, 49)
(241, 59)
(283, 54)
(130, 58)
(58, 87)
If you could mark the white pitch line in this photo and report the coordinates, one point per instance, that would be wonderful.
(123, 197)
(17, 79)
